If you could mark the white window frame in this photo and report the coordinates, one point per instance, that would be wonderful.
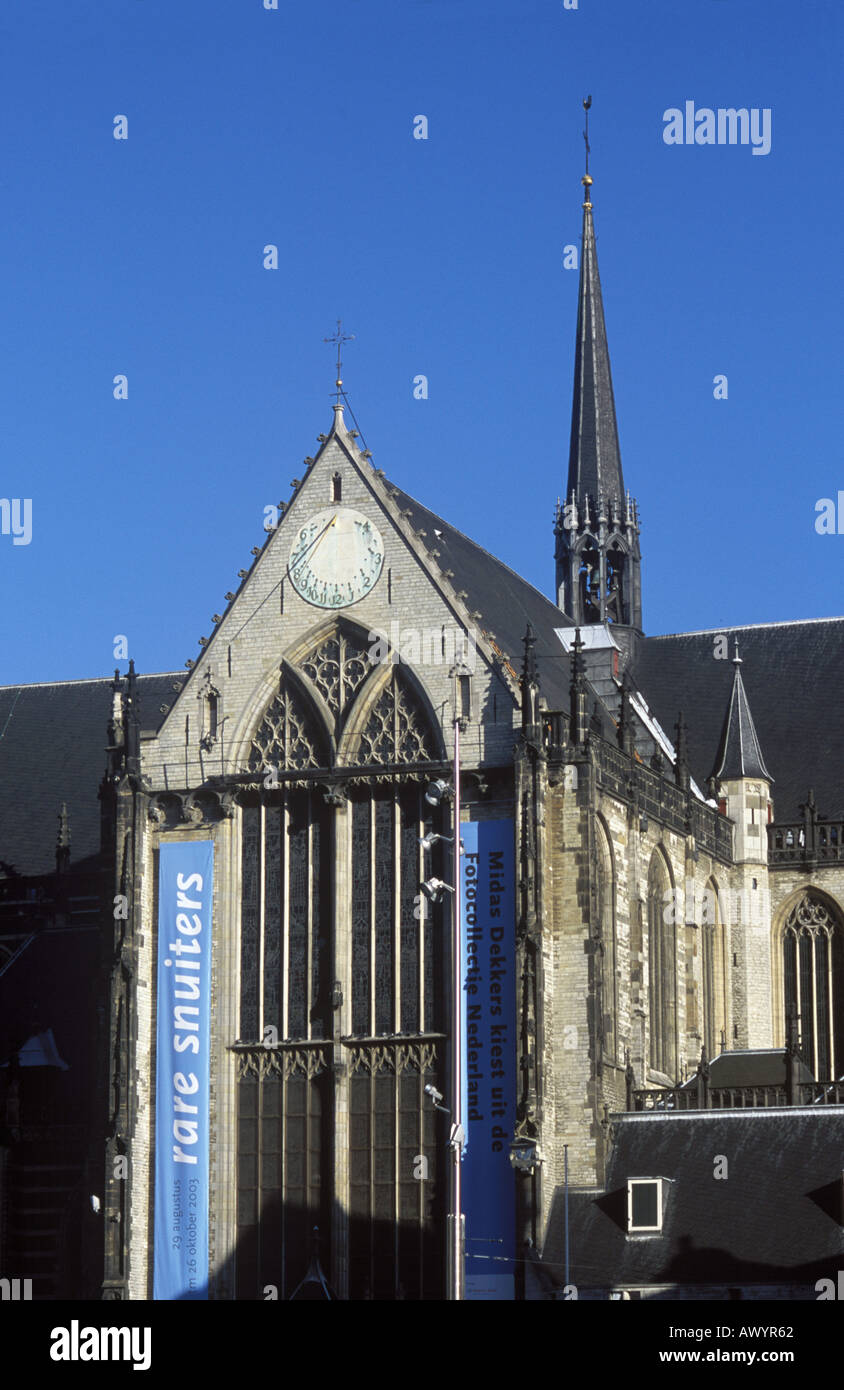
(645, 1230)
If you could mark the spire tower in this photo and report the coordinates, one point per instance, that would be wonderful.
(597, 528)
(739, 752)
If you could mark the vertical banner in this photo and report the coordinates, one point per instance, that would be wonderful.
(488, 940)
(185, 882)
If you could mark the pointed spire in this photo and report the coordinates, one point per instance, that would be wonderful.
(739, 752)
(594, 456)
(681, 766)
(131, 721)
(577, 731)
(530, 687)
(529, 665)
(625, 732)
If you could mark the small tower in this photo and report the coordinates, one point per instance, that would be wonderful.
(597, 528)
(740, 776)
(742, 784)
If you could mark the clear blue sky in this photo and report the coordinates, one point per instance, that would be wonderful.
(443, 257)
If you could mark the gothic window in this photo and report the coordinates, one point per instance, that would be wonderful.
(396, 985)
(337, 943)
(283, 1187)
(714, 947)
(605, 909)
(395, 1219)
(662, 970)
(285, 917)
(289, 735)
(213, 711)
(397, 729)
(337, 667)
(813, 975)
(616, 561)
(589, 580)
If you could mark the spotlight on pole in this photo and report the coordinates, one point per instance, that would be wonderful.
(428, 841)
(433, 888)
(457, 1138)
(436, 1097)
(436, 791)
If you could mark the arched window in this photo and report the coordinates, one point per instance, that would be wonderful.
(617, 605)
(714, 947)
(605, 909)
(662, 969)
(813, 977)
(338, 949)
(589, 579)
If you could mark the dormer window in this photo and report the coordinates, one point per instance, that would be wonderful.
(644, 1206)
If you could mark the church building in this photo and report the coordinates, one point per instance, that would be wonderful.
(225, 990)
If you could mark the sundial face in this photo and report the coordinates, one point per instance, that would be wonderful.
(336, 558)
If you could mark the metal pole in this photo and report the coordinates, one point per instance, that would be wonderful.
(566, 1183)
(456, 1216)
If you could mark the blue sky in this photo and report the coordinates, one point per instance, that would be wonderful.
(444, 257)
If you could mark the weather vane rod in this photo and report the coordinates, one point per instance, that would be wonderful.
(587, 102)
(340, 338)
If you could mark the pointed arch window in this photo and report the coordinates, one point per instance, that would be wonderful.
(289, 735)
(589, 580)
(337, 948)
(397, 729)
(662, 970)
(813, 976)
(605, 908)
(616, 599)
(714, 948)
(338, 665)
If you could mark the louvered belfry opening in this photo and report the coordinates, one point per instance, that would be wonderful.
(341, 987)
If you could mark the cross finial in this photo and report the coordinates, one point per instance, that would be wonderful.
(339, 338)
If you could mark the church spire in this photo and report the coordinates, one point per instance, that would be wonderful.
(594, 455)
(739, 752)
(598, 527)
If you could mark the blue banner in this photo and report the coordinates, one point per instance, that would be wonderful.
(185, 882)
(488, 941)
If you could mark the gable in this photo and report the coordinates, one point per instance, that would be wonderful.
(354, 560)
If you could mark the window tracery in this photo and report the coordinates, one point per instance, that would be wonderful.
(288, 735)
(662, 971)
(338, 666)
(813, 970)
(397, 729)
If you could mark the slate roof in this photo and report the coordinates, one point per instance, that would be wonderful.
(775, 1219)
(793, 674)
(758, 1066)
(506, 602)
(52, 750)
(739, 754)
